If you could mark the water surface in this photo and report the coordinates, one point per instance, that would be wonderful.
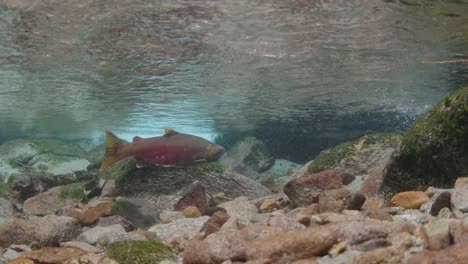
(296, 72)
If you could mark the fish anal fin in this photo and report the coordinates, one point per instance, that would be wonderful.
(170, 132)
(111, 148)
(136, 138)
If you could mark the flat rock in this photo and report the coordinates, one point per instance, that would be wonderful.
(81, 246)
(153, 183)
(293, 245)
(409, 200)
(53, 254)
(240, 208)
(186, 228)
(92, 235)
(115, 219)
(386, 255)
(46, 231)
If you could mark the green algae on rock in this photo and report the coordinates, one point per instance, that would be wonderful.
(72, 191)
(118, 206)
(140, 252)
(355, 157)
(434, 149)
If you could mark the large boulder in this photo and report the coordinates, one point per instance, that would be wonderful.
(365, 157)
(434, 150)
(47, 156)
(46, 231)
(160, 184)
(249, 157)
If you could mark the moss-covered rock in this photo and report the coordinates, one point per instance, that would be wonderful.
(140, 252)
(118, 206)
(357, 156)
(4, 190)
(434, 149)
(72, 191)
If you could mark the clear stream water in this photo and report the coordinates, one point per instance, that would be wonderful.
(295, 73)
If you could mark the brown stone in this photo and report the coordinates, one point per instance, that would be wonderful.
(437, 233)
(193, 195)
(293, 245)
(195, 252)
(334, 200)
(456, 254)
(459, 231)
(90, 215)
(191, 212)
(46, 231)
(305, 190)
(53, 255)
(373, 182)
(21, 260)
(347, 178)
(306, 261)
(386, 255)
(356, 202)
(216, 221)
(47, 202)
(409, 200)
(438, 201)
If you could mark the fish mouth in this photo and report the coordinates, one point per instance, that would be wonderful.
(215, 152)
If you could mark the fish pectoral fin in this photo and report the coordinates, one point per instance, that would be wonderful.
(169, 132)
(168, 166)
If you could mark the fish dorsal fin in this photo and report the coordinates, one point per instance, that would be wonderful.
(170, 132)
(136, 138)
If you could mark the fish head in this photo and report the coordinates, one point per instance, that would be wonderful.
(214, 152)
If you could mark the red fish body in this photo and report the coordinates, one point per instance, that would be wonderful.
(172, 148)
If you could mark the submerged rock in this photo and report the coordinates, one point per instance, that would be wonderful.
(140, 252)
(434, 150)
(409, 200)
(43, 155)
(46, 231)
(358, 156)
(53, 200)
(305, 190)
(161, 185)
(249, 157)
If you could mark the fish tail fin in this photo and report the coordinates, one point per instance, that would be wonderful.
(111, 147)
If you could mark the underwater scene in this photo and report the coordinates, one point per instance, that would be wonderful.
(233, 131)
